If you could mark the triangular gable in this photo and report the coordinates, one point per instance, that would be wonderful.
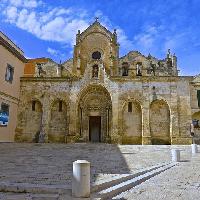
(95, 27)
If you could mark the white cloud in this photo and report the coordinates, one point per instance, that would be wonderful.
(147, 38)
(56, 24)
(125, 43)
(52, 51)
(25, 3)
(11, 13)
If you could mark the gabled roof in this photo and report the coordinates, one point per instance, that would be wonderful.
(95, 27)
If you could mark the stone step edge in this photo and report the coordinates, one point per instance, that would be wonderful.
(34, 188)
(64, 189)
(127, 185)
(124, 177)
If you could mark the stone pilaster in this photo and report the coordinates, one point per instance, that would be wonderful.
(115, 133)
(146, 136)
(73, 116)
(46, 116)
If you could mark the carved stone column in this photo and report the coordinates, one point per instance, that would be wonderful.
(108, 124)
(81, 119)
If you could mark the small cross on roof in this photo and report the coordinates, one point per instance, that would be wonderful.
(96, 19)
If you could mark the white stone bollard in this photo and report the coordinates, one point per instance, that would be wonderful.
(194, 148)
(175, 155)
(81, 179)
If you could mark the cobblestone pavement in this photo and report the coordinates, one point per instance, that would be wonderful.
(51, 164)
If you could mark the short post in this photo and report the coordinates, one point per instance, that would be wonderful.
(194, 148)
(81, 179)
(175, 155)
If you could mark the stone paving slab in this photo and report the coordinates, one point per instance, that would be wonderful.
(51, 164)
(181, 182)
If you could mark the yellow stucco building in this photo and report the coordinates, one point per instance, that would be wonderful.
(12, 68)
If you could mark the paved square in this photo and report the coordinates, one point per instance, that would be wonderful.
(50, 166)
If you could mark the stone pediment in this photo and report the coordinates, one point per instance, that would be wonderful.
(196, 79)
(133, 56)
(96, 27)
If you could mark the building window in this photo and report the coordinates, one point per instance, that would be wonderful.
(129, 106)
(139, 69)
(198, 97)
(95, 71)
(125, 68)
(60, 106)
(9, 73)
(33, 105)
(96, 55)
(4, 114)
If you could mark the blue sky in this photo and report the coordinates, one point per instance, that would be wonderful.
(47, 28)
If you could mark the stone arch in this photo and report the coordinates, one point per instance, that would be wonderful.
(196, 119)
(160, 122)
(94, 102)
(132, 122)
(59, 122)
(33, 115)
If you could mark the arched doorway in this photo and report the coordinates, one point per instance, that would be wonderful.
(160, 122)
(94, 110)
(132, 123)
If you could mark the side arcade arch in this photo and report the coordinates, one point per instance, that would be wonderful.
(132, 123)
(33, 115)
(160, 122)
(59, 122)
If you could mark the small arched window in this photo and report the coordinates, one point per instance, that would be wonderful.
(130, 107)
(96, 55)
(95, 71)
(125, 68)
(60, 106)
(33, 105)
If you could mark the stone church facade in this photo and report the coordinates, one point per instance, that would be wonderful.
(99, 97)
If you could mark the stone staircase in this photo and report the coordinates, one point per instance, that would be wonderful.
(114, 189)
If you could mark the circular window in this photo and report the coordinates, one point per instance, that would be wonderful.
(96, 55)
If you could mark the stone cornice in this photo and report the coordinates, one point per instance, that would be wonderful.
(47, 79)
(113, 79)
(151, 78)
(12, 50)
(8, 96)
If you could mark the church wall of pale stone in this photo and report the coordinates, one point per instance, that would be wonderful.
(169, 119)
(99, 97)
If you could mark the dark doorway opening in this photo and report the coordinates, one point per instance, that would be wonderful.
(95, 129)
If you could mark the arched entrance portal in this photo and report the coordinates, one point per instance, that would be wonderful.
(95, 114)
